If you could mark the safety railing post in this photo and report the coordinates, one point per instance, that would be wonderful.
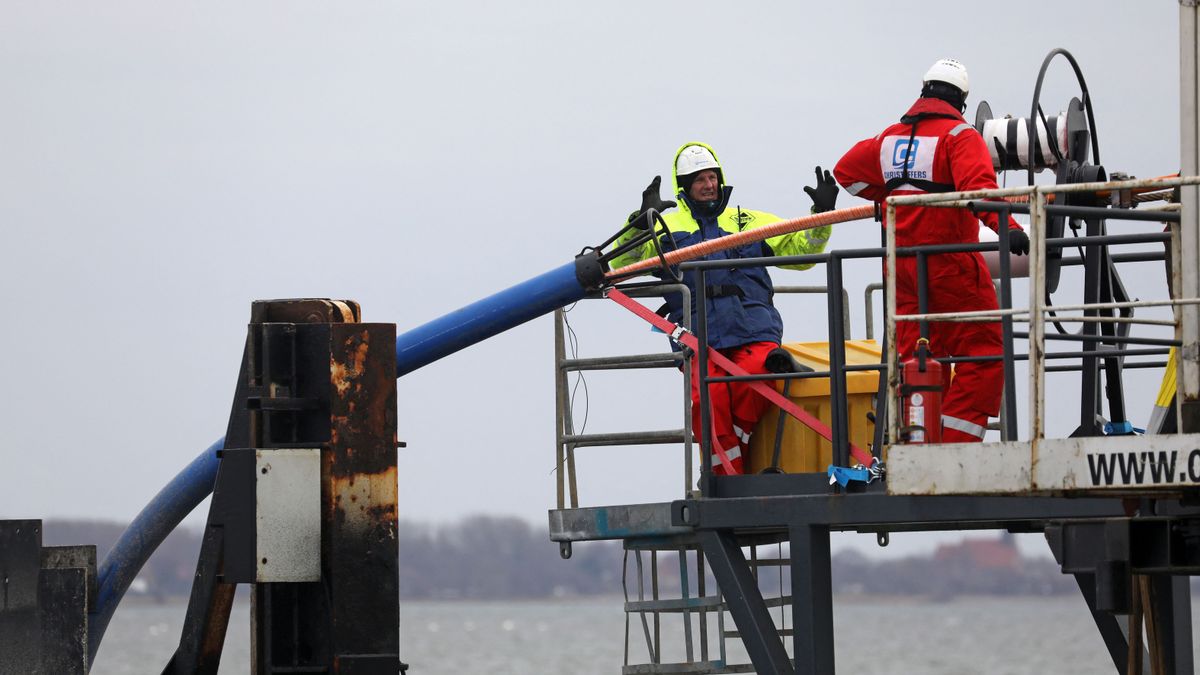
(563, 425)
(1093, 270)
(846, 315)
(1188, 380)
(701, 356)
(839, 422)
(1008, 430)
(685, 296)
(893, 374)
(869, 308)
(923, 291)
(1037, 318)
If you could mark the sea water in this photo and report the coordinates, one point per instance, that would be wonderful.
(1014, 636)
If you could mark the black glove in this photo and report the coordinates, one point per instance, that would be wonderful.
(650, 200)
(1018, 241)
(824, 196)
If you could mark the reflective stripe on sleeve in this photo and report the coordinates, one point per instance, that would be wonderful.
(960, 128)
(964, 426)
(855, 188)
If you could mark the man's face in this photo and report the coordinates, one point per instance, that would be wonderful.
(705, 187)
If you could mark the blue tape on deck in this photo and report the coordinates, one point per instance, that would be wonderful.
(1121, 429)
(842, 475)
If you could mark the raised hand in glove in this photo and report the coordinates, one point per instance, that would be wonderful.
(1018, 241)
(650, 200)
(824, 196)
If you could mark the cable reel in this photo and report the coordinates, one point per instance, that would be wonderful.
(1068, 145)
(1065, 143)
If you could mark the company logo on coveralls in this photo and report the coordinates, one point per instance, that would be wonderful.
(899, 153)
(905, 154)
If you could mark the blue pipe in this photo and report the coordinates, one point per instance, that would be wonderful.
(416, 348)
(487, 317)
(157, 520)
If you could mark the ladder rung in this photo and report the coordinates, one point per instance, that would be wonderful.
(770, 562)
(769, 602)
(625, 438)
(706, 667)
(783, 632)
(626, 362)
(674, 604)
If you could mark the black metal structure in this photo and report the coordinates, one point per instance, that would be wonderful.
(1128, 556)
(311, 377)
(803, 509)
(45, 593)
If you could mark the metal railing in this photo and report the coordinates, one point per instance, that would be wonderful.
(566, 438)
(694, 610)
(838, 327)
(1100, 344)
(1040, 310)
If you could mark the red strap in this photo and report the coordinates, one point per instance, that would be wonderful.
(767, 391)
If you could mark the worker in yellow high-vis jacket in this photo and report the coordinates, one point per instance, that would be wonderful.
(743, 323)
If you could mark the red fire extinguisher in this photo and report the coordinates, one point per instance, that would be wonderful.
(921, 396)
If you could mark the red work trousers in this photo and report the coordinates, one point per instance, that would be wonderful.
(735, 406)
(957, 282)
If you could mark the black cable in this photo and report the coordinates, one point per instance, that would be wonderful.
(573, 341)
(675, 276)
(1051, 138)
(1079, 249)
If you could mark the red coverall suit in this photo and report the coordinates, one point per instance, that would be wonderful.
(933, 149)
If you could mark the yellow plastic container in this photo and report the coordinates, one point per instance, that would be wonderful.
(802, 449)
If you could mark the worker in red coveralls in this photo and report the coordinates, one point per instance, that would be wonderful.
(933, 149)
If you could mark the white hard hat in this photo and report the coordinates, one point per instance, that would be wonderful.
(695, 158)
(949, 71)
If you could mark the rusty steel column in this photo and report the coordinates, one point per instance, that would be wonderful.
(348, 621)
(314, 383)
(358, 498)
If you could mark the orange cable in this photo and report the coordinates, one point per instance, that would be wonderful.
(786, 227)
(748, 237)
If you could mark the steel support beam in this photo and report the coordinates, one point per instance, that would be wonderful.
(745, 602)
(899, 512)
(1112, 627)
(203, 635)
(1172, 609)
(1108, 558)
(812, 600)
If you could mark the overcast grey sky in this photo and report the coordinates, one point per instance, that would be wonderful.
(163, 164)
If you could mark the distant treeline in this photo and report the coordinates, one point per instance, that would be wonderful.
(482, 557)
(492, 558)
